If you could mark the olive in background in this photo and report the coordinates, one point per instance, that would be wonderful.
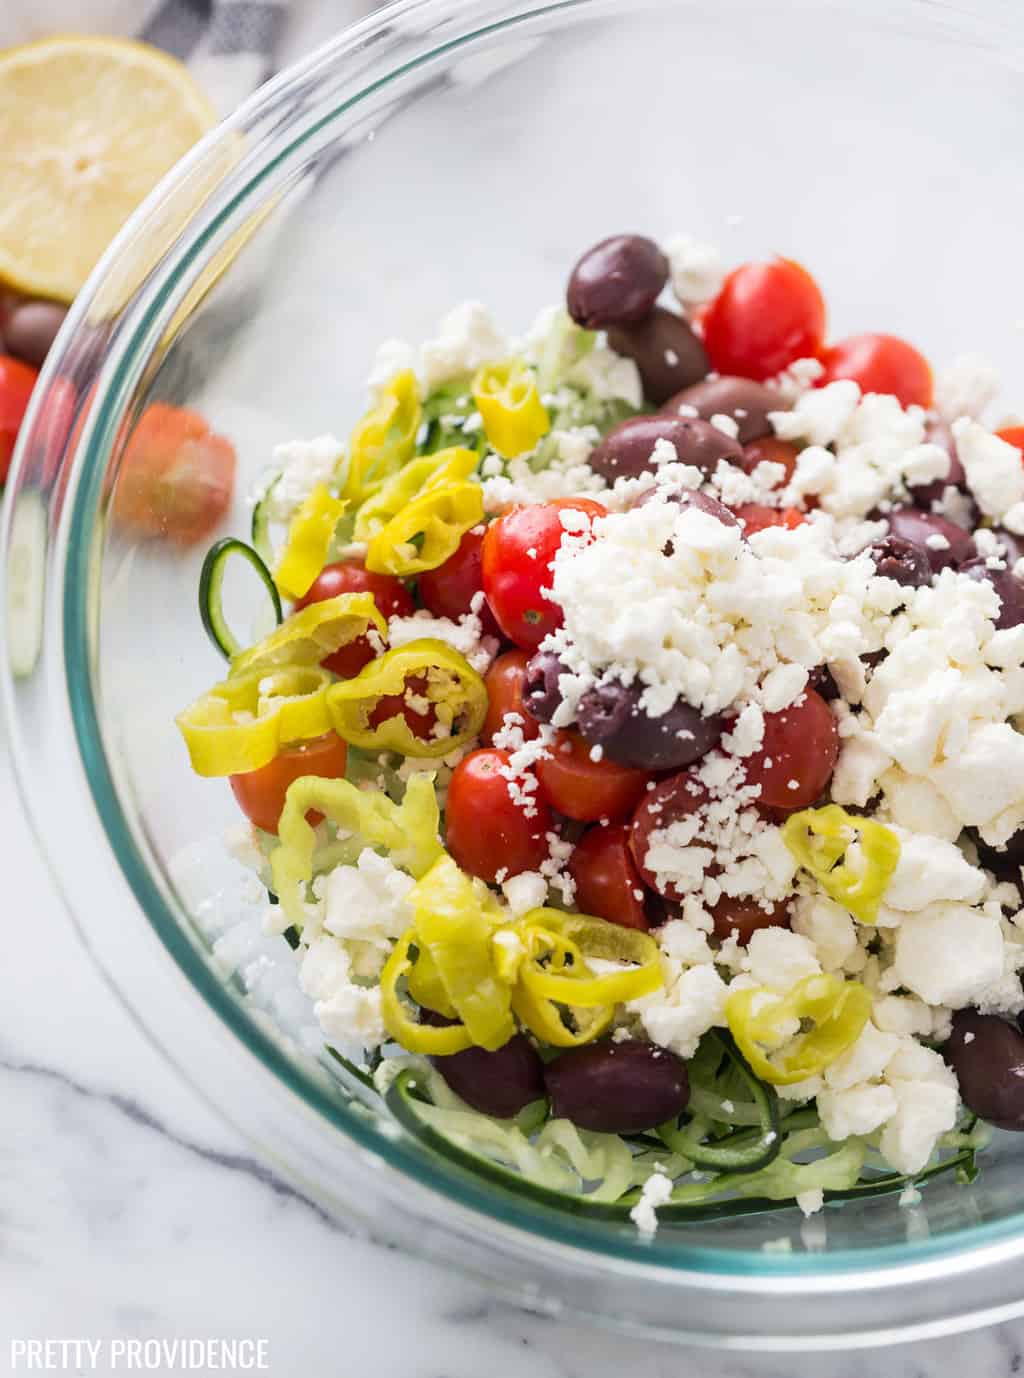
(616, 282)
(902, 561)
(617, 1088)
(1006, 584)
(987, 1055)
(914, 526)
(940, 433)
(30, 328)
(498, 1083)
(667, 353)
(610, 716)
(626, 450)
(745, 401)
(541, 694)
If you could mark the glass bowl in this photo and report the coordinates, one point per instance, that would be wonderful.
(446, 149)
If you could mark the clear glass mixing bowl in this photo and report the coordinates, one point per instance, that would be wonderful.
(446, 149)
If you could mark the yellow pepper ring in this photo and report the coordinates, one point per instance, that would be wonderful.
(759, 1021)
(509, 404)
(308, 541)
(417, 477)
(818, 838)
(544, 1019)
(385, 437)
(311, 635)
(400, 1024)
(427, 531)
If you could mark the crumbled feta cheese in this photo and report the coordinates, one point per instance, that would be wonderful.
(607, 376)
(465, 636)
(993, 468)
(948, 954)
(526, 891)
(393, 356)
(856, 1110)
(865, 1061)
(929, 870)
(810, 1201)
(779, 959)
(966, 387)
(695, 270)
(367, 902)
(303, 464)
(655, 1192)
(828, 927)
(468, 339)
(347, 1012)
(678, 1016)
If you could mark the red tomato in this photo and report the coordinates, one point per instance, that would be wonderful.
(420, 724)
(880, 363)
(765, 316)
(176, 477)
(665, 804)
(801, 745)
(770, 450)
(1013, 435)
(517, 554)
(504, 682)
(486, 831)
(756, 517)
(744, 917)
(448, 590)
(260, 793)
(16, 383)
(393, 599)
(607, 881)
(584, 789)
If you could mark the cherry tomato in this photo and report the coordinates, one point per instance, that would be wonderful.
(798, 754)
(766, 316)
(668, 802)
(448, 590)
(584, 789)
(880, 363)
(16, 383)
(771, 450)
(608, 883)
(517, 554)
(744, 916)
(504, 682)
(176, 477)
(486, 831)
(393, 599)
(260, 793)
(756, 517)
(1013, 435)
(421, 724)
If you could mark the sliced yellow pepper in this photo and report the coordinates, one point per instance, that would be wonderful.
(417, 477)
(427, 988)
(242, 723)
(761, 1021)
(408, 831)
(818, 838)
(313, 633)
(400, 1023)
(385, 437)
(449, 684)
(426, 531)
(308, 541)
(509, 404)
(556, 936)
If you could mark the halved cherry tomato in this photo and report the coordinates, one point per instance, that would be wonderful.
(421, 724)
(1013, 435)
(176, 477)
(393, 599)
(486, 830)
(260, 793)
(16, 383)
(771, 450)
(766, 316)
(608, 883)
(756, 517)
(798, 755)
(585, 789)
(449, 590)
(880, 363)
(668, 802)
(744, 916)
(504, 683)
(517, 554)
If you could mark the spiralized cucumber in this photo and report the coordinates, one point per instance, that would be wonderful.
(211, 579)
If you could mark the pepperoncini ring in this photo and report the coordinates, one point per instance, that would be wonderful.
(558, 936)
(819, 838)
(308, 541)
(453, 690)
(399, 1022)
(427, 531)
(385, 437)
(509, 404)
(414, 479)
(241, 724)
(761, 1023)
(307, 637)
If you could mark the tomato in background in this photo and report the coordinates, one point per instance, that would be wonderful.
(670, 801)
(744, 916)
(880, 363)
(608, 883)
(585, 789)
(769, 449)
(1013, 435)
(393, 599)
(766, 316)
(798, 755)
(486, 830)
(260, 793)
(757, 517)
(449, 590)
(504, 685)
(16, 383)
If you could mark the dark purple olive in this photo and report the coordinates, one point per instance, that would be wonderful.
(1009, 588)
(924, 494)
(30, 329)
(747, 402)
(541, 695)
(626, 450)
(1011, 547)
(914, 526)
(617, 1088)
(665, 350)
(902, 561)
(616, 281)
(987, 1055)
(610, 716)
(823, 683)
(498, 1083)
(1004, 862)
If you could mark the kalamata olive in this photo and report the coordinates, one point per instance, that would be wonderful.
(610, 716)
(498, 1083)
(1004, 862)
(1009, 588)
(616, 281)
(914, 526)
(665, 350)
(747, 402)
(1011, 547)
(823, 682)
(902, 561)
(924, 494)
(541, 695)
(617, 1088)
(30, 329)
(987, 1055)
(626, 450)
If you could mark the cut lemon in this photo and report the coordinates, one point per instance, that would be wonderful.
(88, 126)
